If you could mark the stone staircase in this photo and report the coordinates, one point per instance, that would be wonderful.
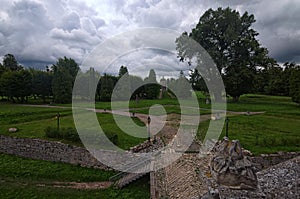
(140, 167)
(127, 179)
(134, 172)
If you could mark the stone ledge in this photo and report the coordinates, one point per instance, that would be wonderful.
(49, 151)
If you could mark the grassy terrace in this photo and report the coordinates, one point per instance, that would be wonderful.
(278, 129)
(32, 121)
(22, 178)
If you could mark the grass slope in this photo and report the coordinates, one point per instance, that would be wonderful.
(278, 129)
(20, 177)
(32, 121)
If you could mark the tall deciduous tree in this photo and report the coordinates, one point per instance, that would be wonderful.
(105, 87)
(197, 81)
(122, 71)
(295, 84)
(41, 84)
(10, 62)
(16, 85)
(151, 87)
(2, 69)
(181, 87)
(231, 41)
(64, 75)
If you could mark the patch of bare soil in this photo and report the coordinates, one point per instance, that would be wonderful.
(79, 185)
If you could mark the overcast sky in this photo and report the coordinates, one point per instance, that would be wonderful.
(38, 32)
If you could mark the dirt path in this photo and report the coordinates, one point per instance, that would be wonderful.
(78, 185)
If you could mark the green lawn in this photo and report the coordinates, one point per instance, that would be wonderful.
(278, 129)
(275, 130)
(24, 168)
(32, 121)
(20, 177)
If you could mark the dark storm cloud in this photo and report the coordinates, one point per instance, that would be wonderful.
(277, 21)
(279, 28)
(45, 30)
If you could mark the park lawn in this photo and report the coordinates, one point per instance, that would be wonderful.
(28, 169)
(143, 105)
(170, 109)
(20, 177)
(271, 104)
(278, 129)
(110, 128)
(32, 121)
(125, 104)
(261, 133)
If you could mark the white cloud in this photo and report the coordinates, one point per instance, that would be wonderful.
(44, 30)
(47, 30)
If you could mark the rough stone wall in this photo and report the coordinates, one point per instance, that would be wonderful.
(264, 161)
(48, 150)
(147, 146)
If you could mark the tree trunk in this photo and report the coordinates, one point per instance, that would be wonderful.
(44, 98)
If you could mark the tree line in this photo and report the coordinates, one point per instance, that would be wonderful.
(55, 83)
(227, 36)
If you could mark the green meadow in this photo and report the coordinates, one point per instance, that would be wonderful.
(25, 178)
(277, 128)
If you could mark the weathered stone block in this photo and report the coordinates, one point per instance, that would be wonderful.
(231, 168)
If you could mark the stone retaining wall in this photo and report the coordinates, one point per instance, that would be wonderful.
(48, 150)
(264, 161)
(147, 146)
(60, 152)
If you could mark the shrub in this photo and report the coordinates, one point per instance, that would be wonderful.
(63, 133)
(113, 138)
(70, 134)
(51, 132)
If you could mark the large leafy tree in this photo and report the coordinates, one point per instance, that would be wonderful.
(231, 42)
(15, 81)
(122, 71)
(274, 79)
(105, 87)
(295, 84)
(134, 82)
(197, 81)
(2, 69)
(16, 85)
(152, 87)
(181, 87)
(10, 62)
(64, 75)
(41, 83)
